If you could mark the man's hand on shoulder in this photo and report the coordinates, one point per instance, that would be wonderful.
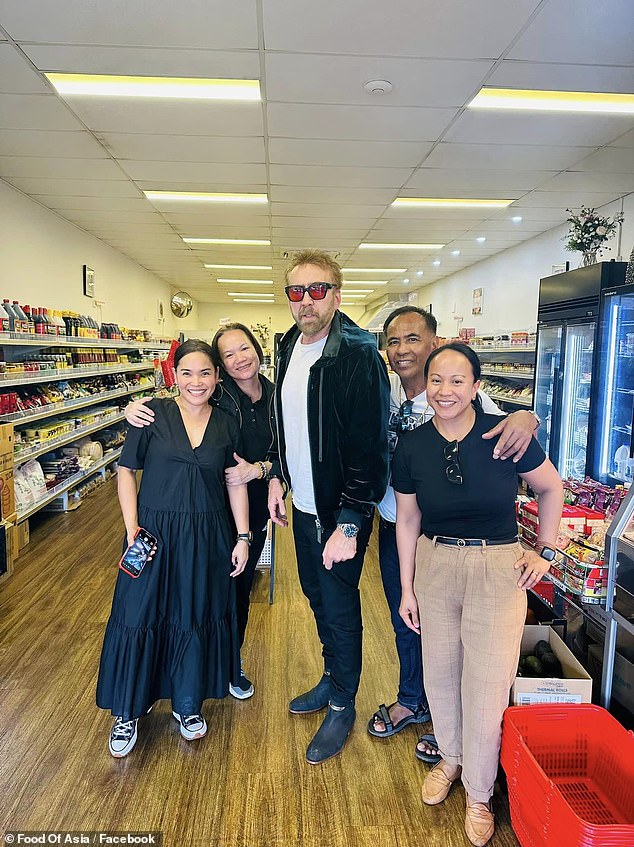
(137, 413)
(515, 433)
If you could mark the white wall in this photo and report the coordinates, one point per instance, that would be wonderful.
(511, 280)
(41, 259)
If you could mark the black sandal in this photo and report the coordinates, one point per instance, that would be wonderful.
(430, 758)
(420, 715)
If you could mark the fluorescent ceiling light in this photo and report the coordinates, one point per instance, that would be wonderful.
(449, 203)
(359, 292)
(242, 267)
(249, 300)
(365, 282)
(205, 197)
(357, 296)
(247, 281)
(237, 241)
(185, 88)
(368, 245)
(373, 271)
(553, 101)
(248, 294)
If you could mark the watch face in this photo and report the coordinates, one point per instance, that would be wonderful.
(548, 553)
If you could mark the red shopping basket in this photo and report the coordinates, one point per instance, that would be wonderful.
(570, 774)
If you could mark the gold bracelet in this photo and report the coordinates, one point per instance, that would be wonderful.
(262, 468)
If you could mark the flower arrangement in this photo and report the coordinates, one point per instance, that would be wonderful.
(589, 231)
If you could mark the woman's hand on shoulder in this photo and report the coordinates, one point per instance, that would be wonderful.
(533, 568)
(242, 472)
(138, 414)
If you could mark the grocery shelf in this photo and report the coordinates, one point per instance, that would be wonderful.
(514, 400)
(42, 412)
(20, 339)
(67, 438)
(69, 483)
(515, 348)
(72, 373)
(508, 374)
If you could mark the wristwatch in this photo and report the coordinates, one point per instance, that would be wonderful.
(245, 536)
(349, 530)
(548, 553)
(537, 418)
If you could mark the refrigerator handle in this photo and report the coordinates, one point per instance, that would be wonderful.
(556, 416)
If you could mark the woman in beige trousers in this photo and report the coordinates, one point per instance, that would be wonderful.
(463, 568)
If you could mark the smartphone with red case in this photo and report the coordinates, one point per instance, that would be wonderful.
(138, 553)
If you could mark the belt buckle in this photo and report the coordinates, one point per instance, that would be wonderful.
(461, 542)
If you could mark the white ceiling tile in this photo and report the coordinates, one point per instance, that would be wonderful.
(161, 117)
(379, 123)
(183, 148)
(97, 204)
(490, 127)
(143, 61)
(568, 30)
(59, 168)
(29, 142)
(608, 160)
(16, 74)
(625, 140)
(394, 154)
(202, 230)
(314, 194)
(562, 77)
(299, 209)
(430, 213)
(198, 23)
(350, 177)
(549, 216)
(614, 183)
(311, 78)
(452, 29)
(80, 187)
(561, 200)
(348, 235)
(166, 185)
(194, 172)
(182, 219)
(504, 157)
(99, 217)
(325, 222)
(35, 111)
(445, 182)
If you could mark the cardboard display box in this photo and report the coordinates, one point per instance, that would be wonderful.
(23, 534)
(6, 447)
(576, 687)
(7, 494)
(7, 547)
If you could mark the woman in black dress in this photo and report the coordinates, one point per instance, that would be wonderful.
(173, 631)
(247, 396)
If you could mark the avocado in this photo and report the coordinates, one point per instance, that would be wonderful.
(533, 666)
(552, 665)
(542, 647)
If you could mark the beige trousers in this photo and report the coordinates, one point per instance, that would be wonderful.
(472, 615)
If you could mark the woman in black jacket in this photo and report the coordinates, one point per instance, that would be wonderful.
(247, 395)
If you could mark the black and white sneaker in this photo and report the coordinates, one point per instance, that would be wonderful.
(243, 689)
(192, 726)
(122, 737)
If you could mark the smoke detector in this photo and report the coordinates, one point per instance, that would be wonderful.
(378, 86)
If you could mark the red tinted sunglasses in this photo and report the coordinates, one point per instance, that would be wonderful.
(316, 291)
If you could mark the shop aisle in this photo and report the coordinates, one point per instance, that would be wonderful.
(246, 784)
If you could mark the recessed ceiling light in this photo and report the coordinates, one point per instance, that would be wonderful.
(369, 245)
(419, 273)
(406, 282)
(553, 101)
(251, 300)
(205, 197)
(359, 292)
(247, 281)
(249, 294)
(104, 85)
(516, 219)
(436, 263)
(455, 252)
(374, 271)
(365, 282)
(449, 203)
(242, 267)
(238, 241)
(481, 239)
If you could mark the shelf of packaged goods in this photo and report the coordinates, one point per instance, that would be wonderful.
(18, 339)
(575, 598)
(67, 438)
(69, 483)
(41, 412)
(516, 401)
(509, 374)
(72, 373)
(511, 348)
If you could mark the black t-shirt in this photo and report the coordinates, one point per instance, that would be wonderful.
(256, 441)
(484, 505)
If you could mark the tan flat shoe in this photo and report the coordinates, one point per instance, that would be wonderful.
(437, 785)
(479, 823)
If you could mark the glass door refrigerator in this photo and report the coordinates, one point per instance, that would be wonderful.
(568, 350)
(613, 413)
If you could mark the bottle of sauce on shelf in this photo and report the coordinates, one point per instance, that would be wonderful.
(24, 321)
(38, 320)
(51, 329)
(26, 311)
(5, 321)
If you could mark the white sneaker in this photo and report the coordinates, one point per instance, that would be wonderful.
(122, 737)
(192, 726)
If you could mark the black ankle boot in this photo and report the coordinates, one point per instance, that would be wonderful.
(331, 735)
(314, 700)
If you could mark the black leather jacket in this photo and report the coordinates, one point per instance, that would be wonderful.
(348, 404)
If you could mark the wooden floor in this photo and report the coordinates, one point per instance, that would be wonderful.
(247, 783)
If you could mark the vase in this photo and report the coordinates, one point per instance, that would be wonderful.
(589, 258)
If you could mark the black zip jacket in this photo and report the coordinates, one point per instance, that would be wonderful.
(348, 406)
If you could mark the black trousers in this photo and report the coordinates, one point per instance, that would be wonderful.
(244, 581)
(335, 601)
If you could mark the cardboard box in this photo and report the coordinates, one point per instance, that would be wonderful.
(622, 679)
(7, 547)
(7, 494)
(6, 447)
(576, 687)
(23, 534)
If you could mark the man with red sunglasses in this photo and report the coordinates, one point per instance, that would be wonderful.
(332, 400)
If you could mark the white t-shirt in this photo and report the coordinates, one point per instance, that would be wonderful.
(421, 413)
(295, 418)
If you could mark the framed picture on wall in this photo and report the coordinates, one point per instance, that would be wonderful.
(476, 306)
(89, 281)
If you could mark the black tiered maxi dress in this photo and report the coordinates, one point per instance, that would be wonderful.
(173, 631)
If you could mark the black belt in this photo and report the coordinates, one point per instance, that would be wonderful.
(469, 542)
(386, 524)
